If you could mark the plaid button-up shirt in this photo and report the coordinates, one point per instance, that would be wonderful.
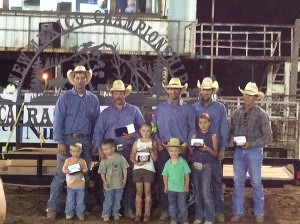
(254, 124)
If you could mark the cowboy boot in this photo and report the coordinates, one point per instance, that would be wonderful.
(138, 210)
(147, 210)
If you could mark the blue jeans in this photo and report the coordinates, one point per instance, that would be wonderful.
(162, 158)
(112, 201)
(204, 205)
(128, 201)
(248, 160)
(59, 178)
(217, 187)
(75, 202)
(178, 208)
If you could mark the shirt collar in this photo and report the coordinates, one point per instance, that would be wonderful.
(74, 92)
(180, 102)
(210, 102)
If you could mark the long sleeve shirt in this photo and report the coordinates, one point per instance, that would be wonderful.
(174, 121)
(75, 114)
(218, 117)
(111, 118)
(254, 124)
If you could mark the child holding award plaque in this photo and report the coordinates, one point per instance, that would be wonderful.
(144, 152)
(205, 151)
(74, 168)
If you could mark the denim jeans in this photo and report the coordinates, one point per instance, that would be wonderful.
(75, 202)
(204, 205)
(217, 187)
(248, 160)
(128, 202)
(162, 158)
(178, 208)
(112, 201)
(59, 178)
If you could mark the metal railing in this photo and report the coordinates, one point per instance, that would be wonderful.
(20, 28)
(244, 40)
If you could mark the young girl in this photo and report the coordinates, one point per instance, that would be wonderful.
(144, 152)
(202, 159)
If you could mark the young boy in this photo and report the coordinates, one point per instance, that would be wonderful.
(113, 171)
(74, 168)
(176, 180)
(203, 158)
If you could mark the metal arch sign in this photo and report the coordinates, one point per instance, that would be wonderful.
(131, 24)
(143, 77)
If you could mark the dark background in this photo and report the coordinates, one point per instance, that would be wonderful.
(250, 11)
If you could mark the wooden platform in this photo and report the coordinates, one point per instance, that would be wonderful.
(268, 172)
(28, 166)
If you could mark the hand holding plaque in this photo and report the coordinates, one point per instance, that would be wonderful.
(74, 168)
(239, 141)
(143, 156)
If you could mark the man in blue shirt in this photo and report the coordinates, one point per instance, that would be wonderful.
(75, 115)
(173, 118)
(112, 120)
(219, 126)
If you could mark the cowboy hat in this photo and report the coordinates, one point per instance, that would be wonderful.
(252, 90)
(119, 86)
(207, 83)
(79, 69)
(174, 142)
(175, 83)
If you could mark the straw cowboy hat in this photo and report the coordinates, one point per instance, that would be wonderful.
(79, 69)
(119, 86)
(207, 83)
(174, 142)
(175, 83)
(252, 90)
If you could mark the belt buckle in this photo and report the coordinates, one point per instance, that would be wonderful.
(198, 166)
(120, 147)
(77, 135)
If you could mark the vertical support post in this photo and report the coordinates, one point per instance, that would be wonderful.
(212, 39)
(295, 59)
(287, 77)
(269, 88)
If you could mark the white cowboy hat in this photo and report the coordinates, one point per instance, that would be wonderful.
(174, 142)
(175, 83)
(207, 83)
(119, 86)
(79, 69)
(252, 90)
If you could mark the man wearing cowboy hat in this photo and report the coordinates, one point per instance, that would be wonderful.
(113, 120)
(173, 118)
(75, 115)
(251, 124)
(219, 126)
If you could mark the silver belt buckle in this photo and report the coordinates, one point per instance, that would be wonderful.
(120, 147)
(198, 166)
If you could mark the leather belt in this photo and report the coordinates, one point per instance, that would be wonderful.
(166, 143)
(74, 135)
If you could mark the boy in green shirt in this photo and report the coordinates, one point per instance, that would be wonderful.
(176, 180)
